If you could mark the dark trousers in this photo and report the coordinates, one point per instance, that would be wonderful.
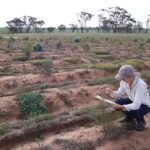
(137, 114)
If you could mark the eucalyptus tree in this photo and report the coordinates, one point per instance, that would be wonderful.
(62, 28)
(116, 19)
(138, 27)
(73, 27)
(104, 22)
(26, 23)
(36, 24)
(147, 23)
(26, 19)
(121, 19)
(51, 29)
(15, 25)
(83, 18)
(39, 24)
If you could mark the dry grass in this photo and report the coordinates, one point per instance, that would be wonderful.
(67, 144)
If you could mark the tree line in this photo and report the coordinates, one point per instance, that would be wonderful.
(113, 19)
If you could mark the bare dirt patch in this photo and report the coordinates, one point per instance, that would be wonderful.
(67, 87)
(135, 140)
(56, 100)
(9, 109)
(76, 134)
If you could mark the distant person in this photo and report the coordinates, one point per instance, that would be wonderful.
(137, 103)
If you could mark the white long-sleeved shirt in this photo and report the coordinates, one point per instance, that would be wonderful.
(138, 93)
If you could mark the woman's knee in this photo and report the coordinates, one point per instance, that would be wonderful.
(122, 101)
(118, 101)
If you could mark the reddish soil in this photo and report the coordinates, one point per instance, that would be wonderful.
(56, 100)
(8, 82)
(9, 109)
(130, 141)
(67, 86)
(133, 141)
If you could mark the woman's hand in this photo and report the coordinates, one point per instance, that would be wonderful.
(117, 106)
(109, 91)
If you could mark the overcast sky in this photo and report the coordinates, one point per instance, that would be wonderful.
(64, 11)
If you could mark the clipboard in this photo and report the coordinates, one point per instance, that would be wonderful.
(103, 99)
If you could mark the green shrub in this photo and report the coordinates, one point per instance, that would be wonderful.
(135, 40)
(141, 46)
(1, 38)
(105, 119)
(38, 47)
(102, 52)
(77, 40)
(1, 94)
(106, 38)
(72, 60)
(27, 49)
(3, 128)
(11, 39)
(111, 131)
(86, 47)
(30, 104)
(148, 40)
(114, 66)
(146, 75)
(101, 116)
(44, 86)
(10, 43)
(88, 39)
(105, 56)
(59, 44)
(20, 58)
(103, 80)
(46, 64)
(51, 29)
(25, 38)
(96, 112)
(138, 64)
(3, 113)
(103, 66)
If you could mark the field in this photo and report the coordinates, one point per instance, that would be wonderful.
(47, 87)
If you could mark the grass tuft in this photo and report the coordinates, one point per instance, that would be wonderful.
(30, 104)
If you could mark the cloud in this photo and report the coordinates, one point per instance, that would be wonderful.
(64, 11)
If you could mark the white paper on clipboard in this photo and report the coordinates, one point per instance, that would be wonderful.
(105, 100)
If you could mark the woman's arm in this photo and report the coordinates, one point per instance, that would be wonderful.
(138, 99)
(120, 92)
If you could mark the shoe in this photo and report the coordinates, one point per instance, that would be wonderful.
(140, 125)
(126, 119)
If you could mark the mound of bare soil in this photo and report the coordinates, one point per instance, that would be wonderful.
(133, 141)
(89, 138)
(56, 100)
(68, 82)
